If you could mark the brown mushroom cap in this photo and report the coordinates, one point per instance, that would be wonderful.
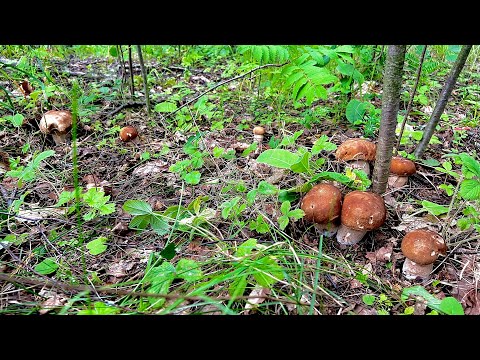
(259, 130)
(401, 166)
(322, 204)
(128, 133)
(57, 123)
(356, 149)
(423, 246)
(363, 210)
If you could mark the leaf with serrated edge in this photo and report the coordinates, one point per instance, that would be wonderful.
(278, 158)
(137, 207)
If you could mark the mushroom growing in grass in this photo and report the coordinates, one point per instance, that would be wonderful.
(362, 211)
(128, 133)
(322, 206)
(57, 123)
(258, 132)
(357, 153)
(400, 170)
(421, 248)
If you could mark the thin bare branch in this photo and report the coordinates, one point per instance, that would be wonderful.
(410, 102)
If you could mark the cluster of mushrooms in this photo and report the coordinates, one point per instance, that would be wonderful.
(58, 123)
(358, 212)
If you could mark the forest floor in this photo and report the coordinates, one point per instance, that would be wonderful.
(139, 170)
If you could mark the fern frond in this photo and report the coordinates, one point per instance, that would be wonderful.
(307, 80)
(265, 54)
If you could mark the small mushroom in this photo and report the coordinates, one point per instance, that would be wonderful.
(362, 211)
(421, 248)
(400, 170)
(57, 123)
(322, 206)
(258, 132)
(357, 153)
(128, 133)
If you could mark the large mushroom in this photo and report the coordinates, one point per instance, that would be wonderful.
(421, 248)
(362, 211)
(357, 153)
(400, 170)
(57, 123)
(322, 206)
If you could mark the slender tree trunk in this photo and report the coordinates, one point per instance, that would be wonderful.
(392, 82)
(144, 74)
(442, 100)
(130, 68)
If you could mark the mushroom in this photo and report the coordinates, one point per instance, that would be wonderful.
(322, 206)
(58, 123)
(128, 133)
(362, 211)
(400, 170)
(258, 132)
(421, 248)
(357, 152)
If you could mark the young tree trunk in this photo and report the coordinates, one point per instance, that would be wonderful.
(392, 82)
(144, 74)
(442, 100)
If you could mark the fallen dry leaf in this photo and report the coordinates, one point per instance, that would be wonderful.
(152, 167)
(53, 301)
(466, 290)
(410, 223)
(253, 301)
(277, 176)
(120, 268)
(359, 309)
(37, 214)
(355, 284)
(383, 254)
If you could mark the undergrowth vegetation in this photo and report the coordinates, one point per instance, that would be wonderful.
(195, 215)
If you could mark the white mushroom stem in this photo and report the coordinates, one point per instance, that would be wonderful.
(397, 181)
(360, 165)
(328, 230)
(411, 270)
(59, 138)
(348, 236)
(258, 138)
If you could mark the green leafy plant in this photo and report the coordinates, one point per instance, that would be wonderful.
(259, 225)
(99, 308)
(159, 278)
(186, 168)
(288, 214)
(94, 199)
(301, 161)
(47, 266)
(253, 265)
(447, 306)
(28, 173)
(187, 219)
(97, 246)
(304, 162)
(144, 216)
(232, 208)
(381, 303)
(363, 114)
(16, 120)
(468, 190)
